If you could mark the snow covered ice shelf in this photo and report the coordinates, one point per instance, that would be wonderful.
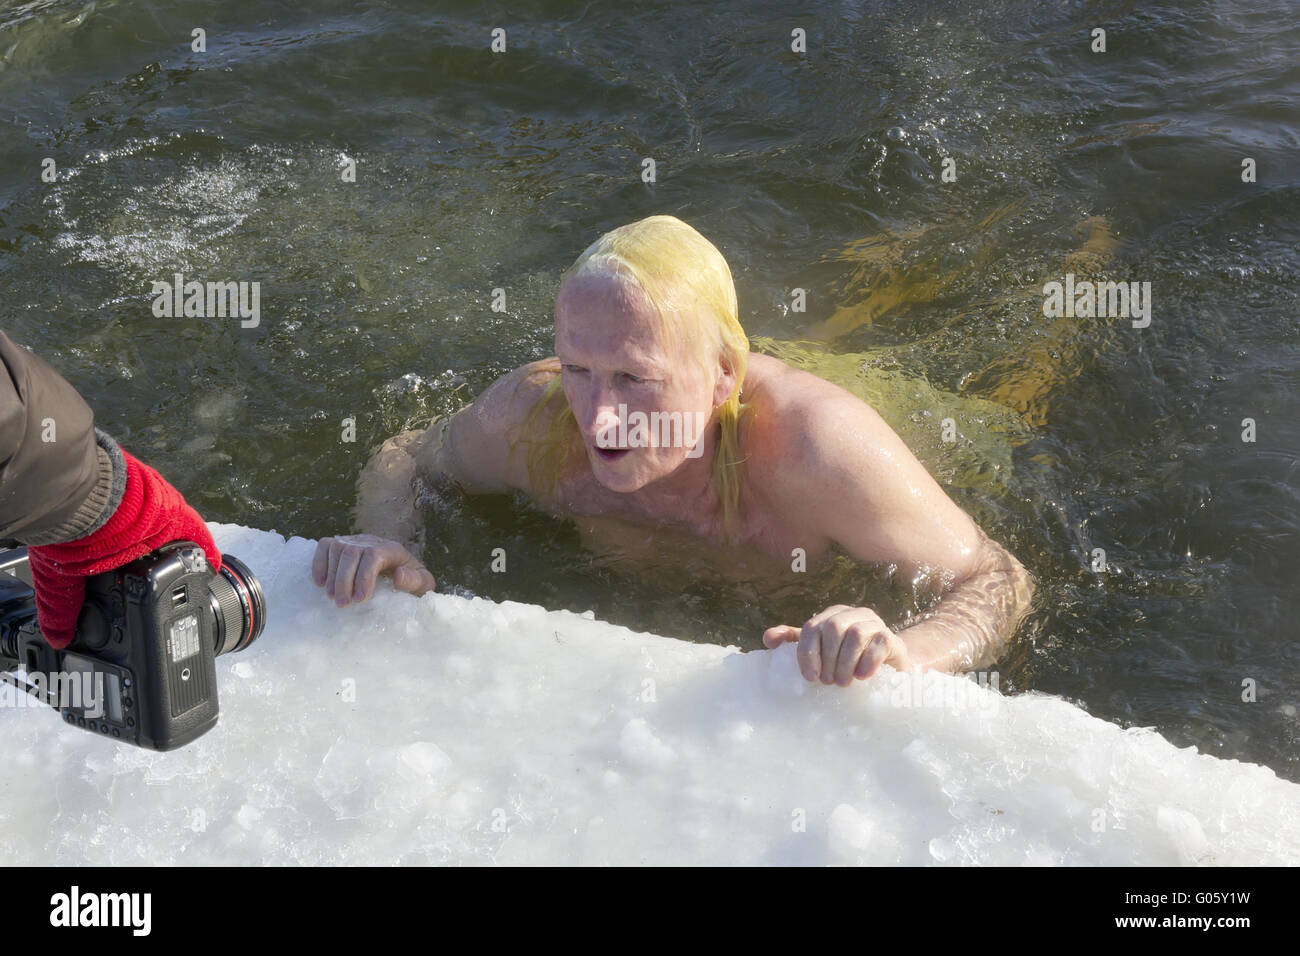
(447, 730)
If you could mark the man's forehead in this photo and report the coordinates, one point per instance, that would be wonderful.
(604, 300)
(612, 340)
(608, 315)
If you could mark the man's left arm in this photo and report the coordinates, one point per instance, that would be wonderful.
(864, 489)
(974, 620)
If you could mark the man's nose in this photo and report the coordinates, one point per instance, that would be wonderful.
(602, 412)
(604, 423)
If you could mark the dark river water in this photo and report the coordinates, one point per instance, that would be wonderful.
(821, 170)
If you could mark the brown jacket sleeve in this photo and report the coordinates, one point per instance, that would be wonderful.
(60, 477)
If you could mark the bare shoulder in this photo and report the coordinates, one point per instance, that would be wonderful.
(801, 421)
(476, 446)
(509, 401)
(831, 460)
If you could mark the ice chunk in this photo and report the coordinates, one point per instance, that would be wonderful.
(642, 748)
(449, 729)
(1185, 831)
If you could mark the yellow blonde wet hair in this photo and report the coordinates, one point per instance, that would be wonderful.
(689, 286)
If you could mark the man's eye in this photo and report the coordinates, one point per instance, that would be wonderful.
(634, 379)
(573, 368)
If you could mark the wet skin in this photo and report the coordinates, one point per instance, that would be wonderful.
(821, 469)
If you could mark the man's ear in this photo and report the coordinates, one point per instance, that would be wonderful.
(726, 381)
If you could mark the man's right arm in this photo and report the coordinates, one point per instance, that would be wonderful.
(386, 493)
(471, 448)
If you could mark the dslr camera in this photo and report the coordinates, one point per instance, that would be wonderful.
(140, 668)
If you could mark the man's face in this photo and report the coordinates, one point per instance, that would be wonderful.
(612, 355)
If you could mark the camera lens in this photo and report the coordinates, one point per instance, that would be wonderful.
(238, 605)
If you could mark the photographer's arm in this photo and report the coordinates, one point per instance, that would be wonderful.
(82, 504)
(60, 477)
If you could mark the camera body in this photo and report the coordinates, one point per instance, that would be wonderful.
(141, 666)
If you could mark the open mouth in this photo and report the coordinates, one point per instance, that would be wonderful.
(612, 454)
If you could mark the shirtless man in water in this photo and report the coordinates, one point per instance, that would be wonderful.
(786, 461)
